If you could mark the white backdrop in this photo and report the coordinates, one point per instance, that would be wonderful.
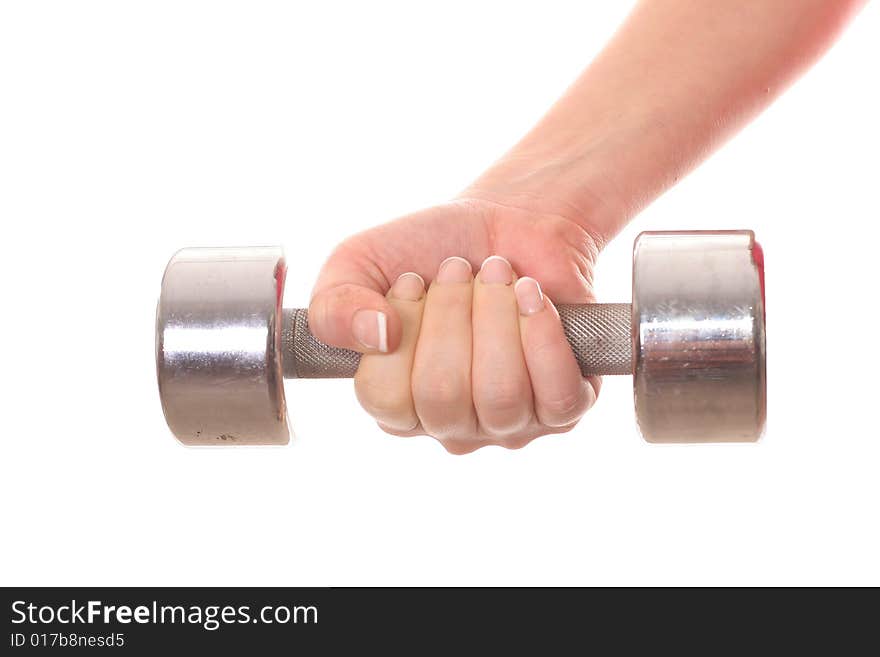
(128, 130)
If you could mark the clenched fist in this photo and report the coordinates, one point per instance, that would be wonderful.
(471, 359)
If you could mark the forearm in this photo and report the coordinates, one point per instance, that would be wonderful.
(678, 78)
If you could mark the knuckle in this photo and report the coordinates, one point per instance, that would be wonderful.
(504, 408)
(329, 313)
(565, 409)
(505, 428)
(459, 447)
(458, 428)
(443, 404)
(565, 428)
(400, 432)
(515, 442)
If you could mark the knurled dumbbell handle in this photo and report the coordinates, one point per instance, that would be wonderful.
(600, 335)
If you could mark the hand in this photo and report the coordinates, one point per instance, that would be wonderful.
(469, 362)
(637, 120)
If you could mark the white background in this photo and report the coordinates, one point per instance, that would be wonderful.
(128, 130)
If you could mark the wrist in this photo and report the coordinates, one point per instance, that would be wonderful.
(569, 182)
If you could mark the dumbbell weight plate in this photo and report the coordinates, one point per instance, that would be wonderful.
(218, 346)
(699, 346)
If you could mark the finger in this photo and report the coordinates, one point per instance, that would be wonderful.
(561, 394)
(409, 433)
(501, 389)
(382, 381)
(441, 380)
(349, 308)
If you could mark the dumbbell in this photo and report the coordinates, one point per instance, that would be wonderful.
(693, 340)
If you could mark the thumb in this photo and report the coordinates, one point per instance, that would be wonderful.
(349, 309)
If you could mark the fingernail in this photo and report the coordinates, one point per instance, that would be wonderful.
(408, 287)
(455, 270)
(496, 270)
(529, 297)
(370, 328)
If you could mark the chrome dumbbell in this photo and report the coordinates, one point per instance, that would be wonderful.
(693, 340)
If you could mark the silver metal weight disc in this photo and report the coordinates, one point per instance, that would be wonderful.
(218, 346)
(698, 336)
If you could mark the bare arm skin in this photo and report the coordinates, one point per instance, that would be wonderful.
(476, 360)
(678, 79)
